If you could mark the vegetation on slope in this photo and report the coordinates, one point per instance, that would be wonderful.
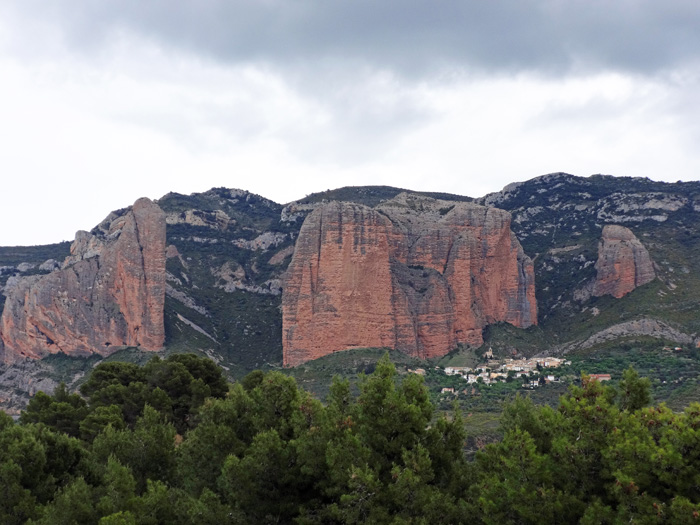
(373, 195)
(558, 219)
(171, 443)
(242, 327)
(11, 255)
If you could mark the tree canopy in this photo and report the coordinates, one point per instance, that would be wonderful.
(171, 442)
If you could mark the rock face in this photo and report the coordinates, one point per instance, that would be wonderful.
(109, 292)
(415, 274)
(623, 263)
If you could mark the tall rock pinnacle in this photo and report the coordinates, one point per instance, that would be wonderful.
(109, 293)
(623, 263)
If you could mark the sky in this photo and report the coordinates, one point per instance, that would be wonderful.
(106, 101)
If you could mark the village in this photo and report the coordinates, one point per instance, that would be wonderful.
(533, 372)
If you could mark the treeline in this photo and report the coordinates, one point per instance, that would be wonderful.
(173, 443)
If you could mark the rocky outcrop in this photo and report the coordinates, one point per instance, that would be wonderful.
(108, 294)
(20, 381)
(231, 276)
(639, 327)
(415, 274)
(281, 255)
(262, 242)
(217, 219)
(623, 263)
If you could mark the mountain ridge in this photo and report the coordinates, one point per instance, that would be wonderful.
(227, 251)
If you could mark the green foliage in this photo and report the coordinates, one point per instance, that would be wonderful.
(148, 450)
(245, 328)
(592, 461)
(515, 484)
(62, 412)
(17, 503)
(392, 419)
(373, 195)
(266, 451)
(264, 483)
(176, 387)
(101, 418)
(317, 375)
(250, 381)
(14, 255)
(635, 392)
(226, 427)
(44, 459)
(118, 490)
(539, 422)
(118, 518)
(73, 505)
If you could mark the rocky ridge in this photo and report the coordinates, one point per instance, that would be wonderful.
(559, 220)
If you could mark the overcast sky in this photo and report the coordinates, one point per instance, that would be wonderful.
(103, 101)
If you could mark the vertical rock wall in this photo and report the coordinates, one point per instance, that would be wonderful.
(414, 274)
(109, 293)
(339, 285)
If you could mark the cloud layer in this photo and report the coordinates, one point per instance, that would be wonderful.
(111, 100)
(407, 36)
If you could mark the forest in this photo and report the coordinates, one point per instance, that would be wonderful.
(172, 442)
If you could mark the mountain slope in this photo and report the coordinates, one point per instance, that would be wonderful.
(227, 252)
(559, 220)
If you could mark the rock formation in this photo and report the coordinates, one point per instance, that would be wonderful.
(638, 327)
(109, 293)
(623, 263)
(415, 274)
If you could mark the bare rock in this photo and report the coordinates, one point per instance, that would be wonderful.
(281, 255)
(22, 380)
(49, 265)
(217, 219)
(415, 274)
(263, 242)
(638, 327)
(171, 251)
(231, 276)
(109, 293)
(185, 299)
(623, 263)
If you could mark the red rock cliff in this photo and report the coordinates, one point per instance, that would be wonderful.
(109, 293)
(414, 274)
(623, 263)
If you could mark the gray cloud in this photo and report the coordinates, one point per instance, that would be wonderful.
(410, 37)
(288, 97)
